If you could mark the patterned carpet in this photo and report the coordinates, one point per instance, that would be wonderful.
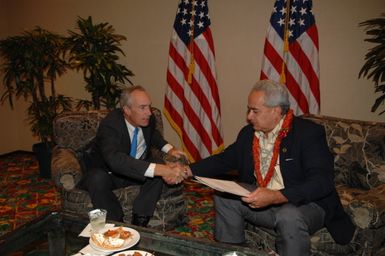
(25, 196)
(200, 212)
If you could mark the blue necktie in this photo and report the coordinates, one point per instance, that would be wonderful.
(134, 143)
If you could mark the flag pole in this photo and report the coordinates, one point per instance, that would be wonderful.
(191, 67)
(285, 41)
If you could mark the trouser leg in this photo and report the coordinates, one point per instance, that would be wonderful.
(100, 185)
(230, 217)
(149, 194)
(229, 222)
(295, 225)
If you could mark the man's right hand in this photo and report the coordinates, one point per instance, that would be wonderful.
(171, 174)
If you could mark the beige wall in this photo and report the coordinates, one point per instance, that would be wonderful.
(238, 29)
(14, 133)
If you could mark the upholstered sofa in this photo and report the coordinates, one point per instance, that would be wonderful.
(359, 151)
(73, 131)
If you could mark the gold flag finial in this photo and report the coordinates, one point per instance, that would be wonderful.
(285, 41)
(191, 69)
(191, 66)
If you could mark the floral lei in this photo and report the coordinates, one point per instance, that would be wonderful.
(286, 125)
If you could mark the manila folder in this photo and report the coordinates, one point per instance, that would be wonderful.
(227, 186)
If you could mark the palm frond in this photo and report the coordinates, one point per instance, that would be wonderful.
(95, 50)
(374, 66)
(32, 60)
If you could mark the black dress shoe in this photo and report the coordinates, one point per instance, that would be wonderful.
(140, 220)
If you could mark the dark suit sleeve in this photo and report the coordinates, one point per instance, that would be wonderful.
(309, 177)
(234, 157)
(113, 144)
(215, 165)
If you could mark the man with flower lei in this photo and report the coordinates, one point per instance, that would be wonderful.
(289, 161)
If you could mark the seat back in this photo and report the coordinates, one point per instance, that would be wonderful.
(358, 148)
(75, 130)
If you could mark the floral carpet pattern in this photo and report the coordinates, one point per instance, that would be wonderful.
(25, 196)
(199, 210)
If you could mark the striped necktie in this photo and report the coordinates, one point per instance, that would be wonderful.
(134, 143)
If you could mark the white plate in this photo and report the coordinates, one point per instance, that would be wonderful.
(131, 252)
(127, 244)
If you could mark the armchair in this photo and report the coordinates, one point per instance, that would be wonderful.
(73, 131)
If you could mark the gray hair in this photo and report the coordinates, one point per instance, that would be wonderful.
(125, 95)
(276, 94)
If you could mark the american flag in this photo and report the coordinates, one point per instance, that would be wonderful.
(191, 102)
(291, 53)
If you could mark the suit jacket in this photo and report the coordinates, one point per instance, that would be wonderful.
(307, 169)
(111, 147)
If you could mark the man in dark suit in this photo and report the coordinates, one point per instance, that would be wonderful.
(289, 161)
(121, 157)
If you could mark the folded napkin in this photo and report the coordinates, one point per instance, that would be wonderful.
(88, 229)
(89, 251)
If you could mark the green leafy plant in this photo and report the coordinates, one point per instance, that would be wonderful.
(31, 62)
(374, 67)
(95, 50)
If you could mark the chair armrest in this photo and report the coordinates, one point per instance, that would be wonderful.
(367, 209)
(65, 168)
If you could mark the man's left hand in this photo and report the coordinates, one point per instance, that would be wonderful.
(263, 197)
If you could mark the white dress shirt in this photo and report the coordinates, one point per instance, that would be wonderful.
(141, 148)
(266, 145)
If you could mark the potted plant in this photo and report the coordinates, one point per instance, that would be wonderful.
(95, 50)
(374, 67)
(31, 63)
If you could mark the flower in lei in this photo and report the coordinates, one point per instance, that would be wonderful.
(286, 125)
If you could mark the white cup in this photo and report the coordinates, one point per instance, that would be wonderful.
(97, 219)
(234, 253)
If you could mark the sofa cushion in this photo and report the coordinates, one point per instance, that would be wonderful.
(356, 148)
(321, 242)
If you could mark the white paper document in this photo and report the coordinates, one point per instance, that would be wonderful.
(227, 186)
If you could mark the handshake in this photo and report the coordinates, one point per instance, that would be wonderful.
(176, 167)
